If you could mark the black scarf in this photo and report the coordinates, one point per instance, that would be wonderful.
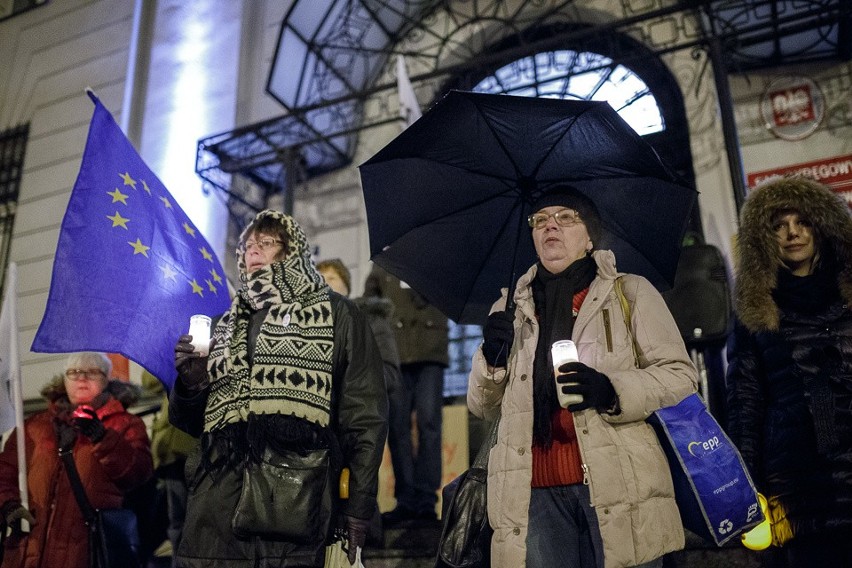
(553, 295)
(808, 294)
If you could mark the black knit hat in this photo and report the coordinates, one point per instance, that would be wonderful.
(568, 196)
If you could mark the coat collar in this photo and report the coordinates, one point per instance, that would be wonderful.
(600, 287)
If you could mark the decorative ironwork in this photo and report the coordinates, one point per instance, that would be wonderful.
(344, 50)
(9, 8)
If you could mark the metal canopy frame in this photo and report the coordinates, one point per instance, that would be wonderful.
(331, 55)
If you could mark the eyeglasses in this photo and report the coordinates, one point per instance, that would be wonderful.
(563, 218)
(84, 374)
(262, 245)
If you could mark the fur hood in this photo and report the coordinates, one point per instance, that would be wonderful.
(758, 254)
(125, 393)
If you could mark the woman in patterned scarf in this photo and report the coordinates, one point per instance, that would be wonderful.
(293, 377)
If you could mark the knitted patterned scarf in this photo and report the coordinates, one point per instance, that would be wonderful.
(292, 363)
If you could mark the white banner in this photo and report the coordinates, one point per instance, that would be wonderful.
(409, 108)
(9, 368)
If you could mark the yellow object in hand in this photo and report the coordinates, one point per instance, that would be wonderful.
(344, 483)
(760, 537)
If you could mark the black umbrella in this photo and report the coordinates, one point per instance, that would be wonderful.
(447, 200)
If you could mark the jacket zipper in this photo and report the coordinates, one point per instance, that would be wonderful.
(585, 474)
(607, 330)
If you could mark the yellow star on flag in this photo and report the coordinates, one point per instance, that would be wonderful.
(145, 187)
(118, 196)
(128, 180)
(166, 202)
(139, 248)
(118, 220)
(211, 287)
(206, 254)
(216, 278)
(196, 289)
(189, 230)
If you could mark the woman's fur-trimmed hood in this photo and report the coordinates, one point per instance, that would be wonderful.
(125, 393)
(758, 253)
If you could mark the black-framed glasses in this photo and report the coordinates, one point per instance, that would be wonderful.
(563, 218)
(262, 245)
(84, 374)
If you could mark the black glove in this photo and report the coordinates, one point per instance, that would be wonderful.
(66, 435)
(12, 511)
(86, 422)
(498, 334)
(595, 387)
(191, 367)
(356, 533)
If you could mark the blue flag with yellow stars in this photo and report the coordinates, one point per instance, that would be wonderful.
(130, 266)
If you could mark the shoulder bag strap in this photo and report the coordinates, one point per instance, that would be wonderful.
(625, 310)
(86, 508)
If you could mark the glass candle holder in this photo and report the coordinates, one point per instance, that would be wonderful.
(562, 352)
(199, 329)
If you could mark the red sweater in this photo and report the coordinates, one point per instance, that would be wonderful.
(560, 464)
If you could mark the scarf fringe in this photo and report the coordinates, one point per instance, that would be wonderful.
(236, 444)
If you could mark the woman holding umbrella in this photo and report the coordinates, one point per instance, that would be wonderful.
(587, 485)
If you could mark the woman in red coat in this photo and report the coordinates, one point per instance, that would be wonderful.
(111, 450)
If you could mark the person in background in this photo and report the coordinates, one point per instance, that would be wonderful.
(170, 447)
(421, 338)
(379, 312)
(110, 448)
(336, 275)
(585, 485)
(293, 375)
(789, 375)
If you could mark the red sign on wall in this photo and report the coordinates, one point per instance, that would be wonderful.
(792, 105)
(833, 172)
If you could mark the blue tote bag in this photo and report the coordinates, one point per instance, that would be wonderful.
(714, 492)
(713, 489)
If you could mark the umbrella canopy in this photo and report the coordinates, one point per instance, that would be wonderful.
(447, 200)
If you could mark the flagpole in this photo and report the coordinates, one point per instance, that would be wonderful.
(15, 380)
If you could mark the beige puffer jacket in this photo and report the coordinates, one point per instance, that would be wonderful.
(628, 474)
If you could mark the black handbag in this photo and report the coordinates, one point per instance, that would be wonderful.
(116, 538)
(466, 534)
(113, 533)
(286, 496)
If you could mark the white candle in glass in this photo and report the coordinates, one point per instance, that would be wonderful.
(562, 352)
(199, 329)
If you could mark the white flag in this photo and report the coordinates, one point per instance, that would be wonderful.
(409, 108)
(10, 371)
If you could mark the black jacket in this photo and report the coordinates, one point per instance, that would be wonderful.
(789, 375)
(421, 329)
(359, 421)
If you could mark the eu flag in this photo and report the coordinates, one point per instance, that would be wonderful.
(130, 266)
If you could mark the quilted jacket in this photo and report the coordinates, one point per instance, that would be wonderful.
(790, 364)
(121, 461)
(627, 472)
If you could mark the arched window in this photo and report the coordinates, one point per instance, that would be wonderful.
(567, 74)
